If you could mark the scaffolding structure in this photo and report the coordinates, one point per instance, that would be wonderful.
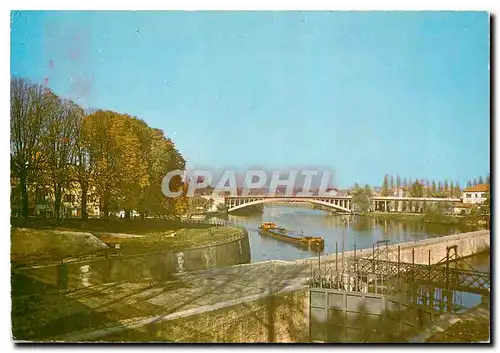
(383, 272)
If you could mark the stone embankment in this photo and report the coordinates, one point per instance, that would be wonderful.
(259, 302)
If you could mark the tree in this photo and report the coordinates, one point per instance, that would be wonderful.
(63, 122)
(398, 181)
(197, 202)
(385, 187)
(427, 189)
(28, 125)
(391, 185)
(118, 146)
(488, 179)
(361, 198)
(368, 191)
(181, 204)
(445, 188)
(485, 208)
(474, 216)
(480, 181)
(162, 158)
(457, 189)
(452, 189)
(133, 138)
(221, 207)
(417, 189)
(475, 182)
(434, 189)
(116, 157)
(83, 170)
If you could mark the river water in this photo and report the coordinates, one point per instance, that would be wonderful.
(358, 231)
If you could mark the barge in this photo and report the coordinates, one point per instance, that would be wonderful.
(272, 230)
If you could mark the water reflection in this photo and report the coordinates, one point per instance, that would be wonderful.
(360, 231)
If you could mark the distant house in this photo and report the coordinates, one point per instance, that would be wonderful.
(475, 194)
(462, 208)
(41, 200)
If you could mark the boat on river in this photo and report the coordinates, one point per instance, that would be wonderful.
(272, 230)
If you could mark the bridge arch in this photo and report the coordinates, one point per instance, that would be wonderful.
(276, 199)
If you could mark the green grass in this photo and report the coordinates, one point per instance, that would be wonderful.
(126, 226)
(47, 245)
(184, 238)
(38, 241)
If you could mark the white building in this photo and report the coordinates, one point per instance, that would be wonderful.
(475, 194)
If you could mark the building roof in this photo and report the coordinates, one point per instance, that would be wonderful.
(477, 188)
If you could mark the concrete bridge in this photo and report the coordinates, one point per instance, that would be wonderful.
(340, 203)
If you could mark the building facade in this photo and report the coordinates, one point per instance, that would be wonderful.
(475, 194)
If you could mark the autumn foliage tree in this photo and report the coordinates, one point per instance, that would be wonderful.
(115, 157)
(117, 147)
(162, 157)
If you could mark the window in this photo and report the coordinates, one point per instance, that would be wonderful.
(468, 195)
(69, 198)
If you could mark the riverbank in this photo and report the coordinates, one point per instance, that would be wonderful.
(43, 241)
(205, 302)
(112, 225)
(458, 220)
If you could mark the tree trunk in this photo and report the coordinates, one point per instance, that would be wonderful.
(57, 202)
(84, 188)
(24, 194)
(127, 214)
(105, 206)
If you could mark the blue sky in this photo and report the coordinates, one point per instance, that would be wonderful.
(359, 93)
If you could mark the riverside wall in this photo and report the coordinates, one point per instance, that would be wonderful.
(468, 244)
(157, 266)
(252, 302)
(284, 316)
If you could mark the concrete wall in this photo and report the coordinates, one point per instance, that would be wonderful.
(275, 318)
(468, 244)
(339, 316)
(156, 267)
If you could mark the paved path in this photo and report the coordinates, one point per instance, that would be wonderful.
(96, 311)
(128, 305)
